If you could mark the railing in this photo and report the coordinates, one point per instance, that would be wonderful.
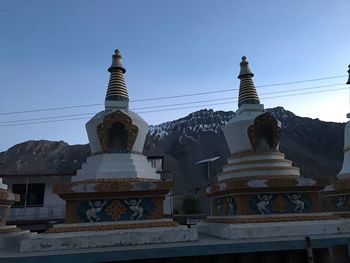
(37, 213)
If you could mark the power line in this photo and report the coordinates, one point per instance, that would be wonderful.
(300, 89)
(47, 118)
(13, 123)
(168, 97)
(301, 81)
(268, 93)
(51, 109)
(39, 122)
(304, 93)
(226, 90)
(223, 103)
(171, 105)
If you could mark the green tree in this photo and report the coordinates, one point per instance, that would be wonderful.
(191, 205)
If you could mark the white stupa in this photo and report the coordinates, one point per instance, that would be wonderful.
(2, 185)
(116, 135)
(336, 197)
(345, 171)
(253, 137)
(117, 198)
(259, 194)
(10, 235)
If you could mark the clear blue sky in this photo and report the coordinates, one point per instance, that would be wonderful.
(56, 53)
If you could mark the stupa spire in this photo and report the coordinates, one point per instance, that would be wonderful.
(247, 91)
(345, 171)
(117, 90)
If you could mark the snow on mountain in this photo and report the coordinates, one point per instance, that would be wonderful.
(191, 126)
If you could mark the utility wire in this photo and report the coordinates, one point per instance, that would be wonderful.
(300, 81)
(47, 118)
(39, 122)
(223, 103)
(167, 97)
(171, 105)
(226, 90)
(262, 94)
(13, 123)
(51, 109)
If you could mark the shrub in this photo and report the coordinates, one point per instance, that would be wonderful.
(191, 205)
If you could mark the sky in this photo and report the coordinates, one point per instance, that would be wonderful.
(56, 53)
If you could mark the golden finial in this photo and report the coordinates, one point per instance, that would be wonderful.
(245, 68)
(117, 61)
(117, 54)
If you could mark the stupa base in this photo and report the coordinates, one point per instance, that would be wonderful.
(11, 236)
(132, 233)
(265, 195)
(271, 226)
(112, 200)
(8, 229)
(104, 226)
(336, 197)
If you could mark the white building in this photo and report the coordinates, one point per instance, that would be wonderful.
(39, 206)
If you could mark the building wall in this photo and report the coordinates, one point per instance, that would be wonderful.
(53, 206)
(158, 163)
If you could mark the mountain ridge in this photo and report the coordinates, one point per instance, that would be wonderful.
(313, 145)
(186, 130)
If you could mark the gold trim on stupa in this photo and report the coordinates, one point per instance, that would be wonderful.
(247, 91)
(116, 87)
(261, 123)
(104, 128)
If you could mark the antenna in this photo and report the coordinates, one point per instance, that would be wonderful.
(348, 83)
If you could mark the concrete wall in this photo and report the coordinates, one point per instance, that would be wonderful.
(53, 207)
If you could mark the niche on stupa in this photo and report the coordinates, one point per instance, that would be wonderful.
(264, 134)
(117, 133)
(118, 137)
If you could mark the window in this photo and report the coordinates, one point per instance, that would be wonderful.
(156, 162)
(35, 194)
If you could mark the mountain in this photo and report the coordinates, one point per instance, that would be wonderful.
(43, 157)
(316, 147)
(313, 145)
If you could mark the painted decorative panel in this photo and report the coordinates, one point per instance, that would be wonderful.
(223, 206)
(263, 203)
(104, 210)
(337, 203)
(270, 203)
(341, 203)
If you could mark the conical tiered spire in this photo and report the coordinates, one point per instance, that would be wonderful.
(345, 171)
(116, 87)
(247, 91)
